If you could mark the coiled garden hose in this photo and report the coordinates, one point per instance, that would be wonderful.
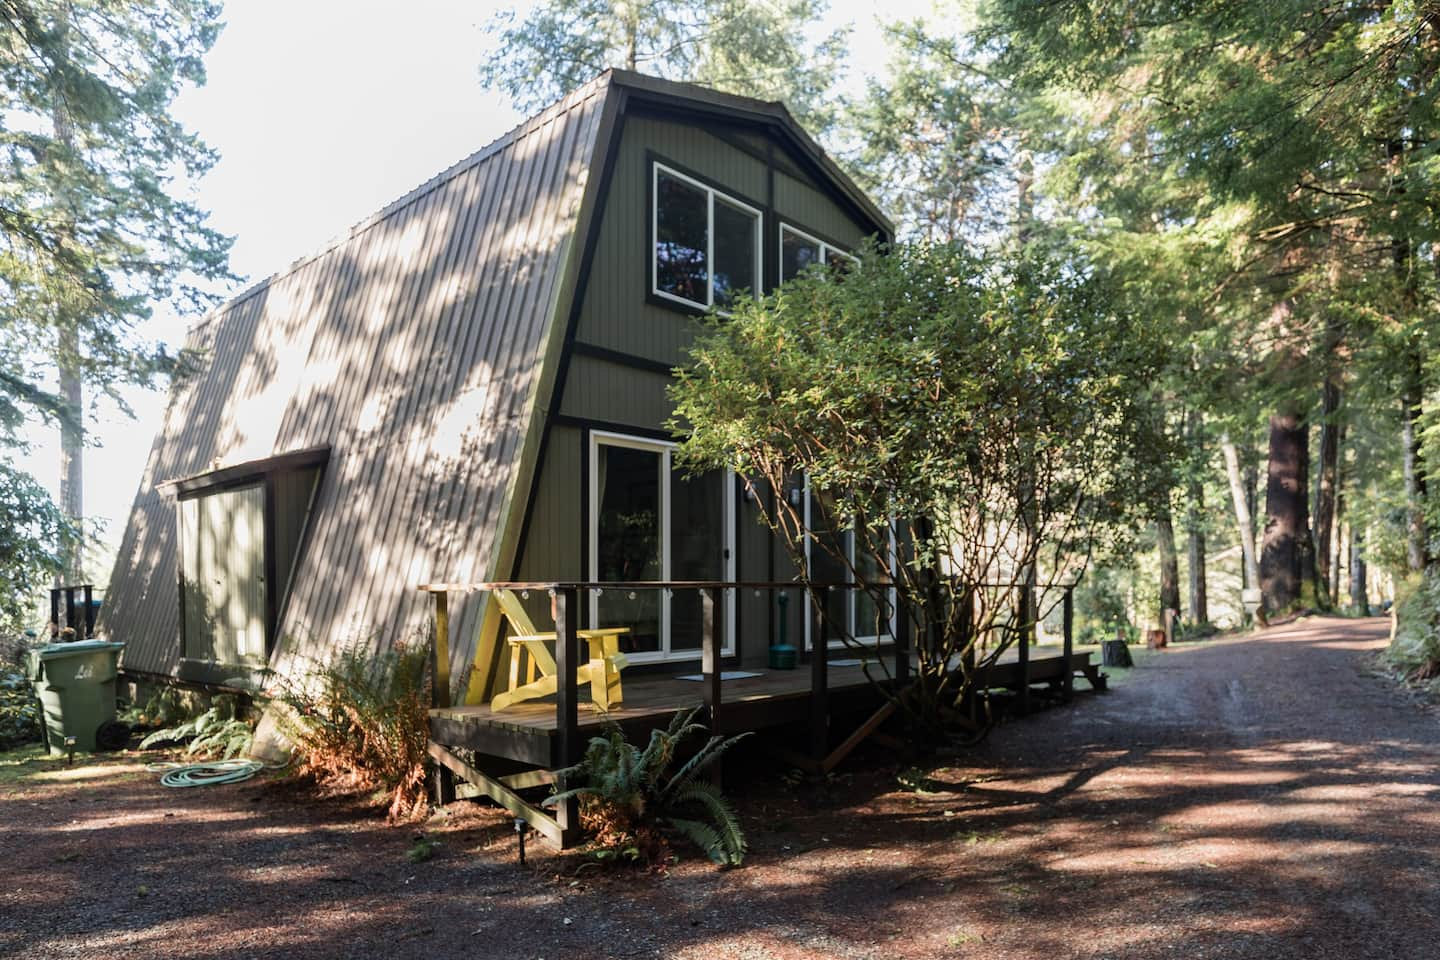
(208, 774)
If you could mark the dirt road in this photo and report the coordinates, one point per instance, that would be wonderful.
(1260, 797)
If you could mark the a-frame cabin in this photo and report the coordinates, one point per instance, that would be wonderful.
(470, 386)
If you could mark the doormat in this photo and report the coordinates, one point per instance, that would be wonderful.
(846, 663)
(724, 675)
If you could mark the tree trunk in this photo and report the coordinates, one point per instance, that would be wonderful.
(1199, 611)
(1287, 557)
(1415, 552)
(1339, 557)
(1252, 501)
(72, 425)
(1326, 484)
(72, 445)
(1359, 590)
(1199, 608)
(1169, 563)
(1244, 520)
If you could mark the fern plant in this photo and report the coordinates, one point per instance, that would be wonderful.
(218, 732)
(361, 720)
(630, 798)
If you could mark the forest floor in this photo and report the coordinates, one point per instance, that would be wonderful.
(1266, 796)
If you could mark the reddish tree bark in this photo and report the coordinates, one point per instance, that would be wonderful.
(1286, 556)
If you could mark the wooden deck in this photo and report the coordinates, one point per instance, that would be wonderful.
(830, 704)
(528, 732)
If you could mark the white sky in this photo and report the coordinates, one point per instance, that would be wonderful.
(322, 113)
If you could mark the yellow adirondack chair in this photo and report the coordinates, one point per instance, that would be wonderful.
(602, 672)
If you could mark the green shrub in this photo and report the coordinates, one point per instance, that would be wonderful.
(361, 721)
(167, 706)
(219, 732)
(19, 710)
(1415, 651)
(630, 798)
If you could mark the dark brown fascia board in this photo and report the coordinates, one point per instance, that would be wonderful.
(696, 98)
(250, 469)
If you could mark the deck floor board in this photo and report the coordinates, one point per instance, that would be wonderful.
(650, 696)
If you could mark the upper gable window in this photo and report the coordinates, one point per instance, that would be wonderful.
(707, 245)
(799, 250)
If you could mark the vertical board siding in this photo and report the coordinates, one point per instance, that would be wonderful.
(552, 549)
(614, 312)
(599, 390)
(801, 204)
(409, 347)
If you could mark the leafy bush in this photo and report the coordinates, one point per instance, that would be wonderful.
(219, 732)
(19, 710)
(629, 798)
(1415, 651)
(361, 722)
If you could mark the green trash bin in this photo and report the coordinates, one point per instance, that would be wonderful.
(75, 683)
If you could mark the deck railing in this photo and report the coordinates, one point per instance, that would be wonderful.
(567, 596)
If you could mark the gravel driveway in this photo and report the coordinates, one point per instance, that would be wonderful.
(1259, 797)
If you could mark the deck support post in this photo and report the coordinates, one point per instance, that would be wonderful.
(1067, 685)
(442, 784)
(969, 640)
(440, 652)
(567, 695)
(819, 679)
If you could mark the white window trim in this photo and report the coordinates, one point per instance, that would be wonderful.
(710, 194)
(891, 595)
(827, 250)
(599, 438)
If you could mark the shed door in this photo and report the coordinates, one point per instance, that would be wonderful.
(223, 538)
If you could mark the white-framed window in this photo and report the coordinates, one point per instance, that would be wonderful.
(706, 244)
(799, 250)
(649, 521)
(855, 611)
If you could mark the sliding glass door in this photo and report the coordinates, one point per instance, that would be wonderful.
(650, 522)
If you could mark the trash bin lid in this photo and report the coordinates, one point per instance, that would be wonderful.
(78, 648)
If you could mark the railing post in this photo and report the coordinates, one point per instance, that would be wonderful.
(567, 716)
(1068, 612)
(710, 663)
(819, 680)
(440, 652)
(710, 655)
(1025, 604)
(902, 640)
(87, 595)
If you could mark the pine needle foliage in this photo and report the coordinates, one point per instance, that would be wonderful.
(632, 798)
(361, 722)
(221, 732)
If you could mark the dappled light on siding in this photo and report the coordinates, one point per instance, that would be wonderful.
(410, 347)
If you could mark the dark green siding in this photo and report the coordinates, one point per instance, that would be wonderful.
(601, 390)
(614, 313)
(800, 204)
(552, 548)
(615, 316)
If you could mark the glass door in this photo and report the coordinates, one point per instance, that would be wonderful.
(650, 522)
